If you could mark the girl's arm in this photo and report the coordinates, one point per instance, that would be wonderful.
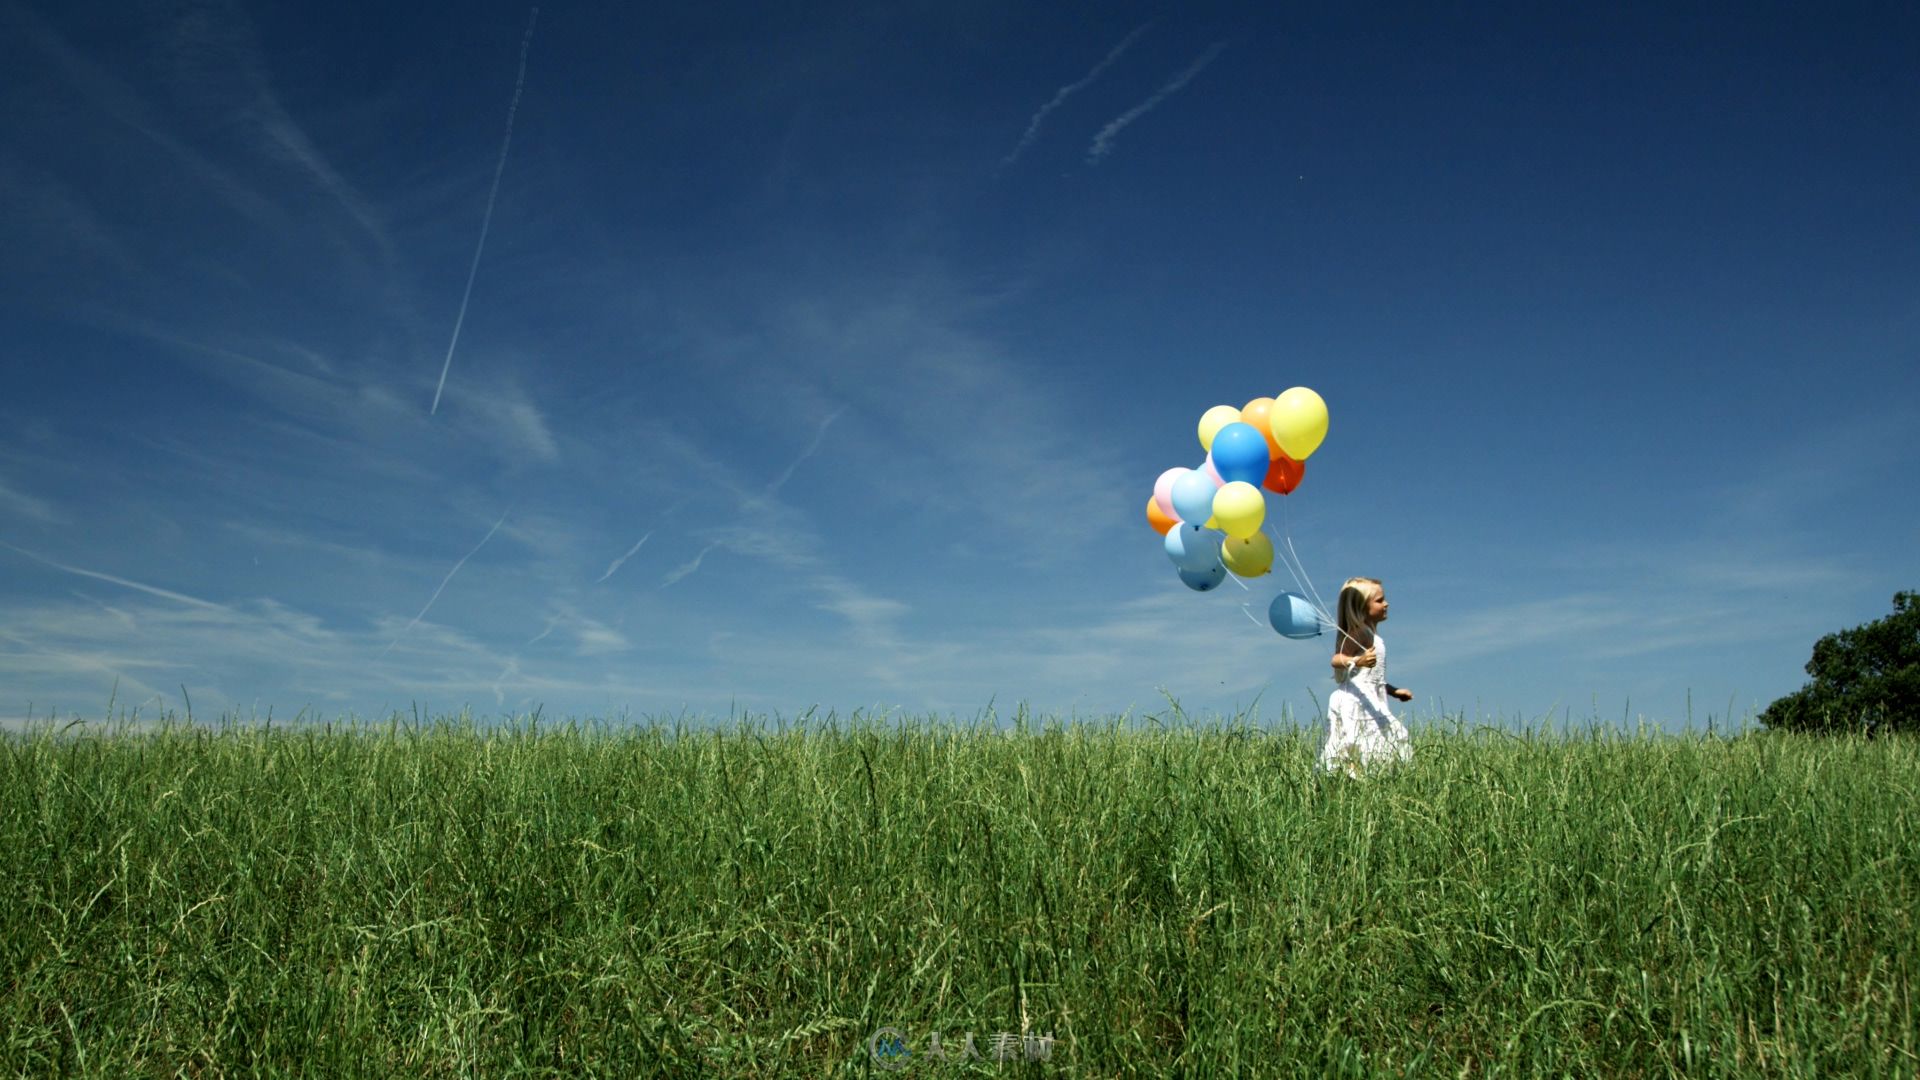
(1344, 663)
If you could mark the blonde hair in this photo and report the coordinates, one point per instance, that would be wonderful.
(1355, 630)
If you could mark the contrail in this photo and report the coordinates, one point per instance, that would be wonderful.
(1103, 142)
(551, 623)
(97, 576)
(512, 668)
(124, 617)
(630, 553)
(807, 453)
(1033, 126)
(688, 567)
(487, 221)
(443, 582)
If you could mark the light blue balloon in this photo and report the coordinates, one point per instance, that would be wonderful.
(1193, 547)
(1293, 616)
(1193, 496)
(1203, 580)
(1240, 453)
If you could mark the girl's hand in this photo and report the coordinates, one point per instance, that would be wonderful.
(1366, 659)
(1401, 693)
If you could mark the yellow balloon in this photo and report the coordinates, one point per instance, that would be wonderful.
(1298, 421)
(1249, 556)
(1239, 508)
(1216, 418)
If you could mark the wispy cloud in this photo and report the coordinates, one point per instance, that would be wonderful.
(216, 55)
(270, 537)
(617, 563)
(552, 621)
(1799, 475)
(165, 594)
(813, 447)
(1734, 603)
(67, 652)
(118, 100)
(680, 572)
(226, 654)
(443, 583)
(21, 504)
(1103, 142)
(38, 659)
(510, 671)
(48, 223)
(328, 404)
(504, 416)
(356, 418)
(598, 639)
(870, 614)
(126, 619)
(1065, 92)
(892, 351)
(1117, 642)
(486, 221)
(591, 636)
(287, 138)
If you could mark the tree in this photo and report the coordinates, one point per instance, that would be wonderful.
(1864, 679)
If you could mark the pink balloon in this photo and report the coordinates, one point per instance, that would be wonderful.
(1163, 491)
(1213, 472)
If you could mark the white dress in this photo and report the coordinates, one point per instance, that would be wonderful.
(1361, 729)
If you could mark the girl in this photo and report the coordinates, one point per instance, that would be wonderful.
(1361, 728)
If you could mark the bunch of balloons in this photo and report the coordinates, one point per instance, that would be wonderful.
(1211, 516)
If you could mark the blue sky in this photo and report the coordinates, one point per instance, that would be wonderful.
(825, 355)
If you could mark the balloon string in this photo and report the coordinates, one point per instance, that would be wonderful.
(1336, 627)
(1297, 583)
(1296, 559)
(1256, 622)
(1284, 548)
(1316, 596)
(1303, 570)
(1306, 585)
(1280, 549)
(1319, 611)
(1331, 621)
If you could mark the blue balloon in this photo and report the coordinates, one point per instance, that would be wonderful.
(1192, 547)
(1240, 453)
(1293, 616)
(1193, 496)
(1203, 580)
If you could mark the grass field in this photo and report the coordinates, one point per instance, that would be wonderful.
(448, 899)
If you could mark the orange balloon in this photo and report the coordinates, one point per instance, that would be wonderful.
(1285, 474)
(1158, 518)
(1256, 413)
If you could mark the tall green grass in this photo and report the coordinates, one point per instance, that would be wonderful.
(449, 899)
